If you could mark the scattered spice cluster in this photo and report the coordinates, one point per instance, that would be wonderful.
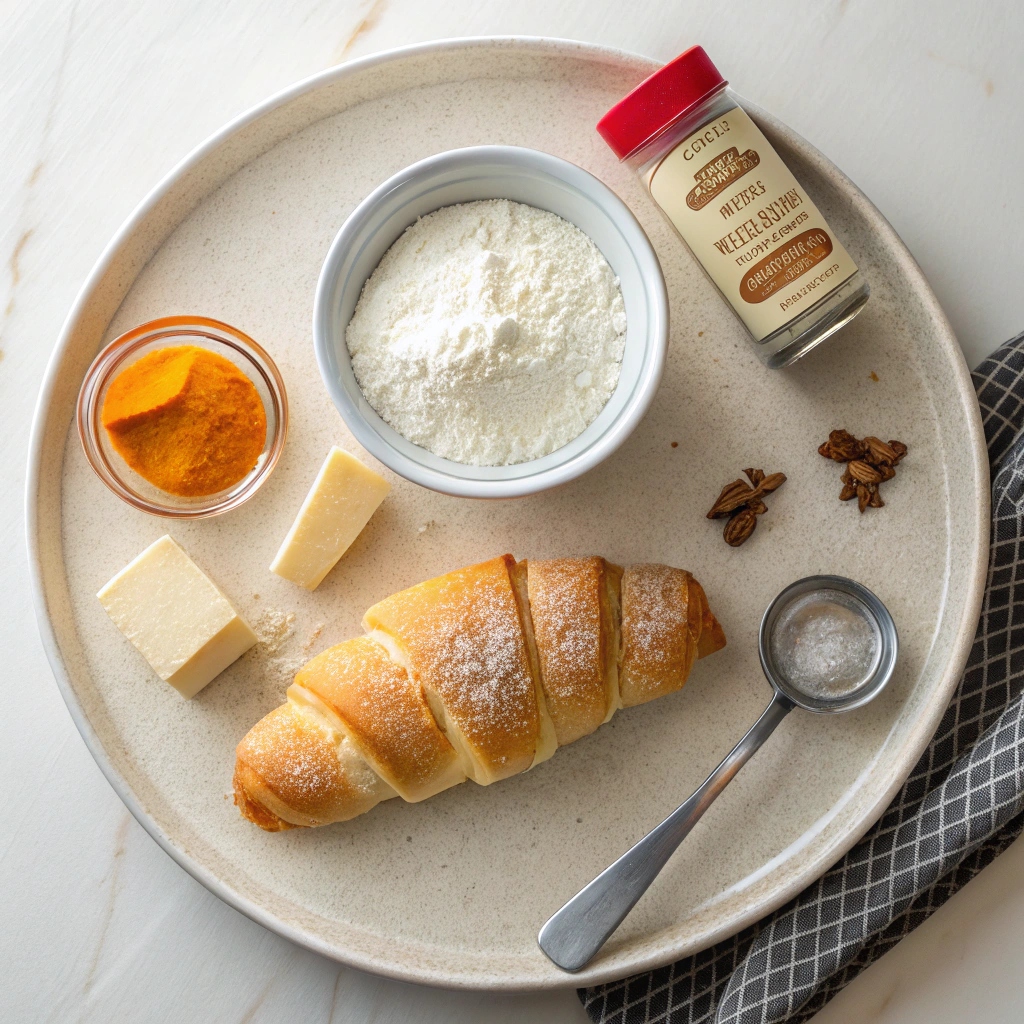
(742, 503)
(869, 463)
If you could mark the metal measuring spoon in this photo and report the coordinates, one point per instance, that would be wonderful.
(811, 665)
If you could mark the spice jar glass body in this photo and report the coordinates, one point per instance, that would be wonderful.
(752, 226)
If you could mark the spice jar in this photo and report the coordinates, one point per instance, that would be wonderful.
(749, 222)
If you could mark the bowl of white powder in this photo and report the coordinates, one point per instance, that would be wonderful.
(491, 322)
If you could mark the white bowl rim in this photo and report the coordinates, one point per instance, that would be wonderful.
(656, 342)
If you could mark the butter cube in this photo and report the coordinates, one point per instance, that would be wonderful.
(343, 497)
(176, 616)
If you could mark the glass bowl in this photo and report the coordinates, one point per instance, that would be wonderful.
(202, 332)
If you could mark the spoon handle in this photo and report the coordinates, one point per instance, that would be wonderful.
(575, 933)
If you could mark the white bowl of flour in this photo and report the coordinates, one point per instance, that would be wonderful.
(491, 322)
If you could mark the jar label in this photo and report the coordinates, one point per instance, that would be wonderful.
(750, 223)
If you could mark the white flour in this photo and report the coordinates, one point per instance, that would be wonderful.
(490, 333)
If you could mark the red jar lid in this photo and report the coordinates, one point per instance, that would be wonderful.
(659, 100)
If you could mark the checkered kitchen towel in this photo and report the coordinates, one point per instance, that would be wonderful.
(961, 807)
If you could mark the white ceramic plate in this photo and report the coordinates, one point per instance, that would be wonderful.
(452, 891)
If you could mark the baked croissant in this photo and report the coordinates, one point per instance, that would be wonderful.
(479, 674)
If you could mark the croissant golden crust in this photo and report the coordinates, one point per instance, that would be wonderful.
(478, 674)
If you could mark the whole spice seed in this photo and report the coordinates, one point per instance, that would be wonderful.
(864, 473)
(740, 527)
(742, 503)
(880, 451)
(772, 482)
(863, 496)
(842, 446)
(869, 462)
(849, 487)
(733, 496)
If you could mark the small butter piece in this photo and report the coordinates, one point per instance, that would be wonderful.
(343, 497)
(176, 616)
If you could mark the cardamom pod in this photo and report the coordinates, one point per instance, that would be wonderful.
(879, 452)
(733, 496)
(900, 449)
(842, 446)
(864, 473)
(740, 527)
(863, 497)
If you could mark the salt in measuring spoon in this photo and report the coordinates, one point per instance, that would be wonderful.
(827, 644)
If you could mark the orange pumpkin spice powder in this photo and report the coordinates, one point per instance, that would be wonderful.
(186, 419)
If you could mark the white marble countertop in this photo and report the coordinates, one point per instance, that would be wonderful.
(917, 101)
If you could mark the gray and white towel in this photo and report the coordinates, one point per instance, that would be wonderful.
(962, 805)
